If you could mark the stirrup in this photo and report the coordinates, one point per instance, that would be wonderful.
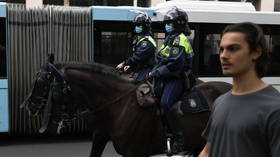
(173, 148)
(168, 146)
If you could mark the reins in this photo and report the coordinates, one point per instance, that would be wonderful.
(47, 111)
(100, 108)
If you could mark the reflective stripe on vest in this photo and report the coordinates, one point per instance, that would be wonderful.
(183, 42)
(164, 50)
(150, 39)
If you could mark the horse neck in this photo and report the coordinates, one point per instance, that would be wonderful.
(101, 87)
(111, 86)
(105, 90)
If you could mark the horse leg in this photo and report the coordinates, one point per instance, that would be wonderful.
(99, 142)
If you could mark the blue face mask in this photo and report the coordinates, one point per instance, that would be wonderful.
(138, 29)
(169, 28)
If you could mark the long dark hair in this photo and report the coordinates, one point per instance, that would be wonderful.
(255, 38)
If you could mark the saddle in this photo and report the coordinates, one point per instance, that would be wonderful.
(145, 96)
(191, 102)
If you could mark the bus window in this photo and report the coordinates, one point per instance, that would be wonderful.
(159, 37)
(3, 65)
(273, 69)
(209, 62)
(114, 47)
(191, 37)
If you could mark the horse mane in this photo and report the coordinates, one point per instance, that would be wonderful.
(93, 68)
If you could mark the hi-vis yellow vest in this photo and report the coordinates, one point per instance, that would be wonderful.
(150, 39)
(183, 42)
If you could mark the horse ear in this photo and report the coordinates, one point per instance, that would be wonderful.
(51, 58)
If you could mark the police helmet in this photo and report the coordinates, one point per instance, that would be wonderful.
(176, 16)
(142, 18)
(179, 18)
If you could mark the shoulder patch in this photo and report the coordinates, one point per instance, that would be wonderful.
(175, 51)
(144, 43)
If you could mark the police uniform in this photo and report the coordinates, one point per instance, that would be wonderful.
(174, 57)
(143, 56)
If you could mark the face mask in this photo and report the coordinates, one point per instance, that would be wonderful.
(138, 29)
(169, 28)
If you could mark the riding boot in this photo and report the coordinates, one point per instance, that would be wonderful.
(176, 129)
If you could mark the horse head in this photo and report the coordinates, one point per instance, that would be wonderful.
(48, 88)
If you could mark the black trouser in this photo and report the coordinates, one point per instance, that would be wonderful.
(176, 129)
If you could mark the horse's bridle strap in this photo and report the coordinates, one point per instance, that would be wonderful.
(47, 111)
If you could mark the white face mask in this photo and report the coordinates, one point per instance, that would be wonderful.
(138, 29)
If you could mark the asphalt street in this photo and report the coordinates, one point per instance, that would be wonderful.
(50, 147)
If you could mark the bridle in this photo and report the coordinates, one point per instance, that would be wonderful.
(28, 101)
(54, 78)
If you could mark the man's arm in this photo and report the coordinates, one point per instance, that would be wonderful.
(274, 133)
(206, 150)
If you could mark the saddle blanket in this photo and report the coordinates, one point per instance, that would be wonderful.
(191, 103)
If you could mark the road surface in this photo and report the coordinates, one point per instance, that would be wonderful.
(50, 147)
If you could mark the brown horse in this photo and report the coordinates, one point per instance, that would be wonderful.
(95, 91)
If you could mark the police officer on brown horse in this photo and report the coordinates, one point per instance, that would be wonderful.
(142, 59)
(173, 60)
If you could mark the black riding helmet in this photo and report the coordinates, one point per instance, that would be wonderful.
(179, 18)
(144, 20)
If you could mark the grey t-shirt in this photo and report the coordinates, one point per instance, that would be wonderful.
(245, 125)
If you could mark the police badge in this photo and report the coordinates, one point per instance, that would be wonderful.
(175, 51)
(144, 44)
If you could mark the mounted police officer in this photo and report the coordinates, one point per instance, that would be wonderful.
(173, 60)
(144, 46)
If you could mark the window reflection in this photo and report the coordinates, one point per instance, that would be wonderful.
(273, 69)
